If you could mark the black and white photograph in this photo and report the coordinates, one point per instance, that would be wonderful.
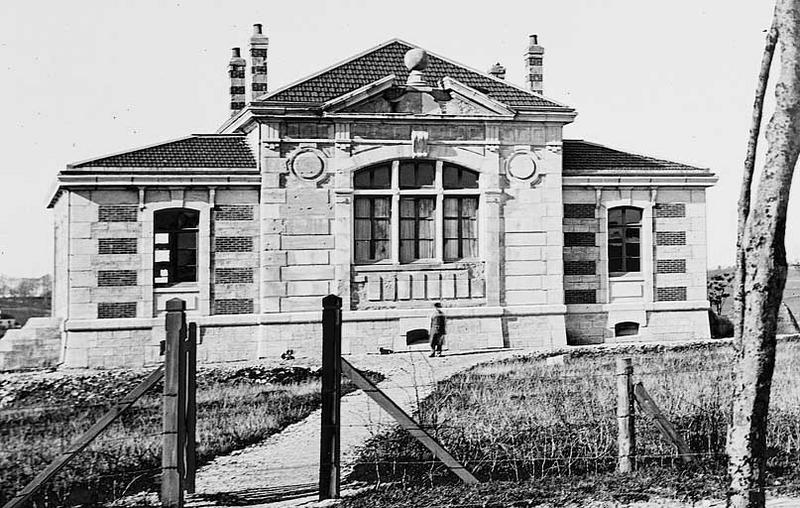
(373, 254)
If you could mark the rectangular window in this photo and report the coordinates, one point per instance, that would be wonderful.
(624, 240)
(417, 215)
(372, 228)
(460, 227)
(175, 246)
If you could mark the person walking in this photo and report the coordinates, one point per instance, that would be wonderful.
(438, 329)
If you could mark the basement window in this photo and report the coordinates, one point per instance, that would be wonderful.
(626, 328)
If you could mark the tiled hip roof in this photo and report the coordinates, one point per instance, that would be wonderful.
(388, 59)
(582, 156)
(197, 151)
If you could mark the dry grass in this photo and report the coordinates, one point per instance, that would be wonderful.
(232, 414)
(524, 420)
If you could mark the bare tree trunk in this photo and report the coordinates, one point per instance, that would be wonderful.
(747, 178)
(765, 271)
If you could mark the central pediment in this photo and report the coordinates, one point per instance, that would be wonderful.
(388, 96)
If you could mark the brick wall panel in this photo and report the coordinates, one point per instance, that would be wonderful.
(574, 296)
(111, 278)
(671, 266)
(116, 246)
(671, 294)
(579, 239)
(580, 268)
(670, 237)
(234, 213)
(233, 244)
(668, 210)
(233, 275)
(116, 310)
(233, 306)
(118, 213)
(579, 210)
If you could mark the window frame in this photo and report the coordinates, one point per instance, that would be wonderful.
(623, 228)
(174, 248)
(438, 193)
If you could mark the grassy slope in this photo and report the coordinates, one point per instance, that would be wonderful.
(234, 410)
(791, 293)
(551, 430)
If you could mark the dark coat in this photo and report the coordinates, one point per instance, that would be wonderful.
(438, 326)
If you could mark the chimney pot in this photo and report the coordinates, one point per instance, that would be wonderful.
(257, 29)
(534, 40)
(236, 53)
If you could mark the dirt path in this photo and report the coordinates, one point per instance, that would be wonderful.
(285, 467)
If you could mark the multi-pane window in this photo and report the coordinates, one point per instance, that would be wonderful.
(431, 207)
(417, 228)
(175, 246)
(460, 227)
(624, 240)
(372, 228)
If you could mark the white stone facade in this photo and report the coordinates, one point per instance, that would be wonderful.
(275, 237)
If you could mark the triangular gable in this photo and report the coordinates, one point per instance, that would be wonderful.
(387, 59)
(387, 95)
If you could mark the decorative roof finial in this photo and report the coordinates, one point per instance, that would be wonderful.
(416, 61)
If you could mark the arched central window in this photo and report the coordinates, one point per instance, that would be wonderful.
(415, 210)
(624, 240)
(175, 246)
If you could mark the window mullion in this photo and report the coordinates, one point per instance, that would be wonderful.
(438, 222)
(395, 213)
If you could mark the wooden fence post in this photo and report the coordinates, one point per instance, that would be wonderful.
(626, 434)
(174, 411)
(329, 470)
(191, 408)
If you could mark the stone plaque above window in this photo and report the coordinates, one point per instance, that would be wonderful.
(307, 163)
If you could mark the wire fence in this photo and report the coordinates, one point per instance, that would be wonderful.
(503, 422)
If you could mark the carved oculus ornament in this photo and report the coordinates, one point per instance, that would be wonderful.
(307, 163)
(521, 165)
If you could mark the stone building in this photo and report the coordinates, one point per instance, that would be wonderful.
(394, 178)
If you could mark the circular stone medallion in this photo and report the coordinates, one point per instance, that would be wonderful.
(521, 165)
(307, 163)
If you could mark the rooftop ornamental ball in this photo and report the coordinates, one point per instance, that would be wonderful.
(416, 59)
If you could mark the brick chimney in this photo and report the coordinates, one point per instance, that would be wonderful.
(236, 70)
(533, 65)
(498, 71)
(258, 61)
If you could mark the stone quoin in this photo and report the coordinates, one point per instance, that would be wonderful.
(394, 179)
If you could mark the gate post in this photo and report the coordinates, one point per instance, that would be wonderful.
(174, 410)
(329, 470)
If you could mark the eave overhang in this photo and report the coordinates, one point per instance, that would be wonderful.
(639, 179)
(151, 178)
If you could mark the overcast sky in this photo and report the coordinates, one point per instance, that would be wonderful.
(80, 79)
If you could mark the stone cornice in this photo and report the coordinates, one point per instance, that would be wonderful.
(642, 179)
(70, 181)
